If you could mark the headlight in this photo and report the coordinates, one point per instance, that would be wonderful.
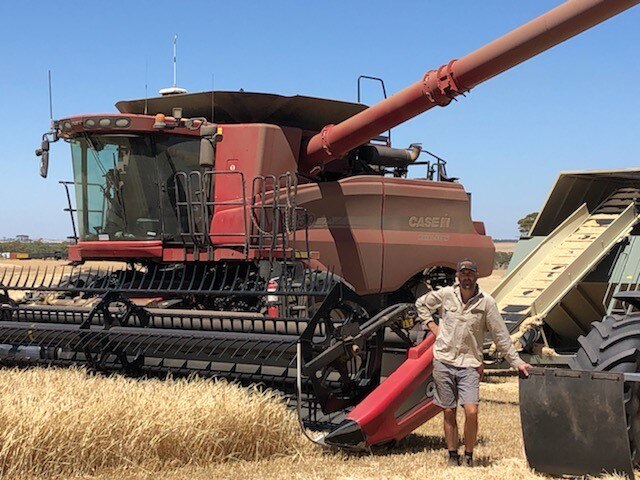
(123, 122)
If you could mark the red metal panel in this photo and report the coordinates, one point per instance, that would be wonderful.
(428, 224)
(114, 249)
(379, 414)
(253, 149)
(139, 123)
(345, 220)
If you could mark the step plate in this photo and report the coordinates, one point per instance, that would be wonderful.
(574, 423)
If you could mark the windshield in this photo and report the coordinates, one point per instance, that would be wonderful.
(125, 184)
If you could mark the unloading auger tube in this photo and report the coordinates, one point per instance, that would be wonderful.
(439, 87)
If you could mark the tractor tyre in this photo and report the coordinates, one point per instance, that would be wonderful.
(613, 345)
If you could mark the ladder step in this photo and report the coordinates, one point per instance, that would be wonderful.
(611, 209)
(619, 202)
(526, 299)
(529, 288)
(578, 244)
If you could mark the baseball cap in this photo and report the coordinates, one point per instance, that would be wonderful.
(467, 264)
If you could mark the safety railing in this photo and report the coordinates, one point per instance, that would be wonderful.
(277, 222)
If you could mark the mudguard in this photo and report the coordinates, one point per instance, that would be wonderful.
(574, 422)
(399, 405)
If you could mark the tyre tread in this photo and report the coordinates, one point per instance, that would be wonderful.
(613, 344)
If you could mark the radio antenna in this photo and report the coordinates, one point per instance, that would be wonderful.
(175, 61)
(212, 99)
(146, 84)
(50, 99)
(175, 89)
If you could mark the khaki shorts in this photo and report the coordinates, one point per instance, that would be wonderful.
(455, 385)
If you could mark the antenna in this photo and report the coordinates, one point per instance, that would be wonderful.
(175, 89)
(146, 84)
(212, 99)
(50, 99)
(175, 61)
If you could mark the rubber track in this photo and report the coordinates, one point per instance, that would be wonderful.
(613, 344)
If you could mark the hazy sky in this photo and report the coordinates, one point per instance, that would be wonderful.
(574, 107)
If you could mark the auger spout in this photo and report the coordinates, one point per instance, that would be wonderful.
(439, 87)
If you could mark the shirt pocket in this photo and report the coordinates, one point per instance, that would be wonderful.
(450, 307)
(448, 323)
(475, 320)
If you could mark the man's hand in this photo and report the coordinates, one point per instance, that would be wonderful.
(480, 371)
(433, 326)
(524, 369)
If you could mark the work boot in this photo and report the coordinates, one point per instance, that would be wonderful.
(467, 460)
(454, 459)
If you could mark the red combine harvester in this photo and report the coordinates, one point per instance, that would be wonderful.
(267, 239)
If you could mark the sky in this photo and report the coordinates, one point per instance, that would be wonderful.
(573, 107)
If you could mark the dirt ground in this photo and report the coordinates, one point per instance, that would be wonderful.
(507, 247)
(32, 263)
(489, 283)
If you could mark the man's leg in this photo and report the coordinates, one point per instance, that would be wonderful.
(451, 429)
(446, 396)
(469, 391)
(470, 426)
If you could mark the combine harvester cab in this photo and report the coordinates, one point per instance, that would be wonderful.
(265, 240)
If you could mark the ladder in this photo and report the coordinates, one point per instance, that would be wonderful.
(565, 257)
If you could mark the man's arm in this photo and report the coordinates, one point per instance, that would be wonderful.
(426, 306)
(502, 339)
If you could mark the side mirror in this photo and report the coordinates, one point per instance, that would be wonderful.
(43, 153)
(211, 135)
(207, 153)
(44, 163)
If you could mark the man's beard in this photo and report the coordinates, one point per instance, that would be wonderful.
(467, 284)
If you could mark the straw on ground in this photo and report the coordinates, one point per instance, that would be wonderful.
(67, 424)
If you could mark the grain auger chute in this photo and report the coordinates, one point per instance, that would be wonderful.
(253, 225)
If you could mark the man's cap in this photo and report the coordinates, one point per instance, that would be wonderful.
(467, 264)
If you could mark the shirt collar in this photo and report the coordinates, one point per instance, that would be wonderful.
(458, 292)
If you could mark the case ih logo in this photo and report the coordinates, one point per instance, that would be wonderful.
(429, 222)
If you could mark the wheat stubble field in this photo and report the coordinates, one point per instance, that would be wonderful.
(66, 423)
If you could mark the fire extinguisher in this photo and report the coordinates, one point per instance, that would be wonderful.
(272, 300)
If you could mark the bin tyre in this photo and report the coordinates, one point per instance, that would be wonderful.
(613, 345)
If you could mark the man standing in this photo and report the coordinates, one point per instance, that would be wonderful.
(466, 313)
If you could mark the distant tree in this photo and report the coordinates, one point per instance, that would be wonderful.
(502, 259)
(36, 249)
(526, 222)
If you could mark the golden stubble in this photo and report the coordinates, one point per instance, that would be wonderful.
(68, 424)
(65, 422)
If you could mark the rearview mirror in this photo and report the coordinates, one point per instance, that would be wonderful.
(207, 153)
(44, 163)
(211, 134)
(43, 153)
